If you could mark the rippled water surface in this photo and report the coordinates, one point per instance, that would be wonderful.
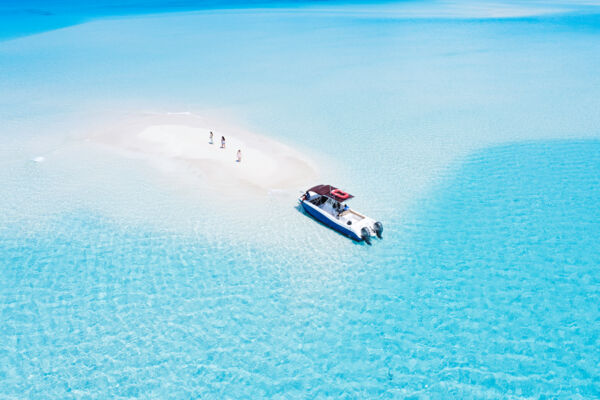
(475, 141)
(490, 290)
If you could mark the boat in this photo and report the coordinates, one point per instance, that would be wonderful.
(326, 204)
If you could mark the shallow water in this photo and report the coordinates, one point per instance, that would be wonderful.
(473, 140)
(489, 290)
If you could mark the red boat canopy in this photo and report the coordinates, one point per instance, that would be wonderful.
(331, 192)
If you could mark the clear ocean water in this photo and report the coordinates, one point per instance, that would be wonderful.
(475, 140)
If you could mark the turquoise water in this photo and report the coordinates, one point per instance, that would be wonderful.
(25, 17)
(490, 290)
(474, 140)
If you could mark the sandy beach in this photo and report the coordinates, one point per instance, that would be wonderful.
(179, 144)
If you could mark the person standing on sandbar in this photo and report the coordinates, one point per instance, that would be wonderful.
(222, 142)
(210, 138)
(239, 156)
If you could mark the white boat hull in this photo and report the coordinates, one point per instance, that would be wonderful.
(347, 221)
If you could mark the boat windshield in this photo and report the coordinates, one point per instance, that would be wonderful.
(318, 200)
(329, 205)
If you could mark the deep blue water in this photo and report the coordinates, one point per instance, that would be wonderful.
(18, 18)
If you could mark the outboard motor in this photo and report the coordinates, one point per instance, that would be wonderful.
(366, 236)
(378, 228)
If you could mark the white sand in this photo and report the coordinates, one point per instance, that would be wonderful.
(178, 144)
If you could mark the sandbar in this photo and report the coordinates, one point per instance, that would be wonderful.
(178, 144)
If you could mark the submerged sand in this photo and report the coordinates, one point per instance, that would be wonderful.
(179, 145)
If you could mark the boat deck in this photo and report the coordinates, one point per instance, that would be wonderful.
(350, 215)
